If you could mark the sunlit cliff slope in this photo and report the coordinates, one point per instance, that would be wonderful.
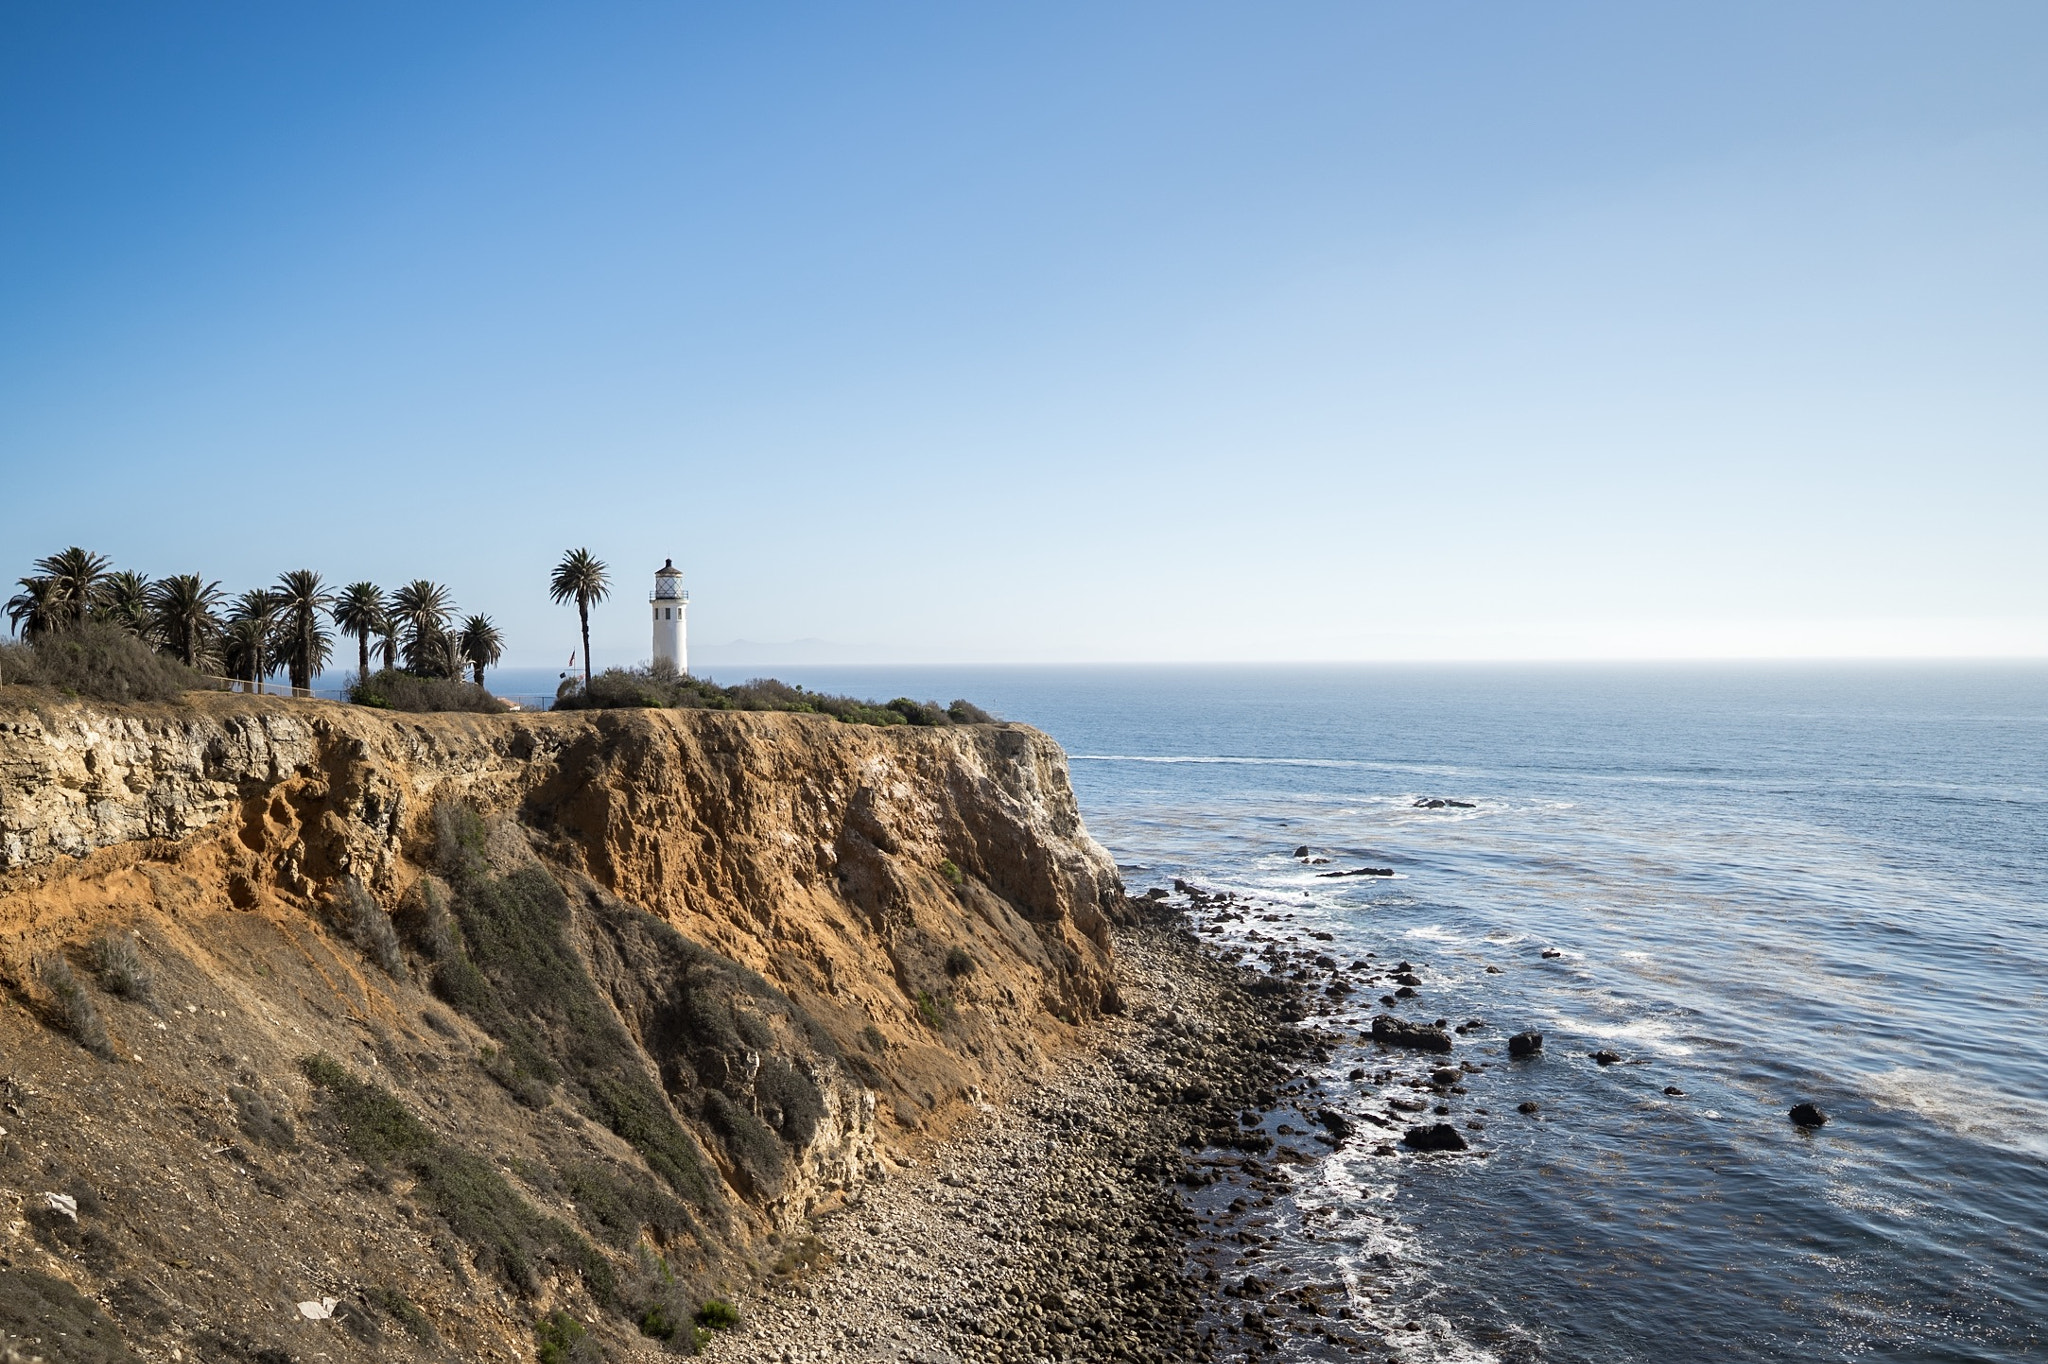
(444, 1025)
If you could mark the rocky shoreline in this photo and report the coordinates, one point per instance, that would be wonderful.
(1069, 1224)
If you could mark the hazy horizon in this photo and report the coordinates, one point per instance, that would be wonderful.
(1128, 333)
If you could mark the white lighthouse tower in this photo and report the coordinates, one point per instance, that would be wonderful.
(671, 604)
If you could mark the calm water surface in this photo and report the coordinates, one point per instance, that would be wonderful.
(1767, 885)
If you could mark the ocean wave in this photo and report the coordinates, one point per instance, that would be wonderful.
(1653, 1033)
(1966, 1107)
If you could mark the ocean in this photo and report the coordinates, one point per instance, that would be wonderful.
(1762, 885)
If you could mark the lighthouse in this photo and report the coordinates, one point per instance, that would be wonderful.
(671, 604)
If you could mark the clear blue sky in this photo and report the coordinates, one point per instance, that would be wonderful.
(1052, 332)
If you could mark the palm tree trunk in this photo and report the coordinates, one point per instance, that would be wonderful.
(363, 652)
(583, 613)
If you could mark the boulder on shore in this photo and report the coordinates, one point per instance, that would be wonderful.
(1525, 1044)
(1390, 1031)
(1436, 1137)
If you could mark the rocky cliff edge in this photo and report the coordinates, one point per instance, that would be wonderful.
(343, 1033)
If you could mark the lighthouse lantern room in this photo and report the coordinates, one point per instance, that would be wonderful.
(671, 604)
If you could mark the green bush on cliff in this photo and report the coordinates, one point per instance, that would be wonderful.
(480, 1207)
(504, 960)
(661, 687)
(98, 660)
(394, 690)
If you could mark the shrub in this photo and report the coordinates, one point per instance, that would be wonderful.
(958, 963)
(937, 1011)
(950, 869)
(505, 962)
(564, 1341)
(718, 1315)
(99, 660)
(754, 1149)
(117, 961)
(662, 687)
(619, 1205)
(921, 712)
(400, 1307)
(872, 1035)
(393, 690)
(73, 1006)
(655, 1323)
(467, 1191)
(370, 927)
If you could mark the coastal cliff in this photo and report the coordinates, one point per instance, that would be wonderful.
(421, 1028)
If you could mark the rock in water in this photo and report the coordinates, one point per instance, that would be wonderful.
(1809, 1115)
(1525, 1044)
(1674, 1091)
(1390, 1031)
(1606, 1057)
(1527, 1106)
(1301, 851)
(1436, 1137)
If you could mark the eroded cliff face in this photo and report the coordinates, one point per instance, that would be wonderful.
(652, 987)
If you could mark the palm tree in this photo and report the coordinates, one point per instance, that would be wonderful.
(34, 610)
(250, 638)
(423, 608)
(583, 578)
(482, 645)
(123, 600)
(182, 616)
(360, 610)
(74, 576)
(303, 647)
